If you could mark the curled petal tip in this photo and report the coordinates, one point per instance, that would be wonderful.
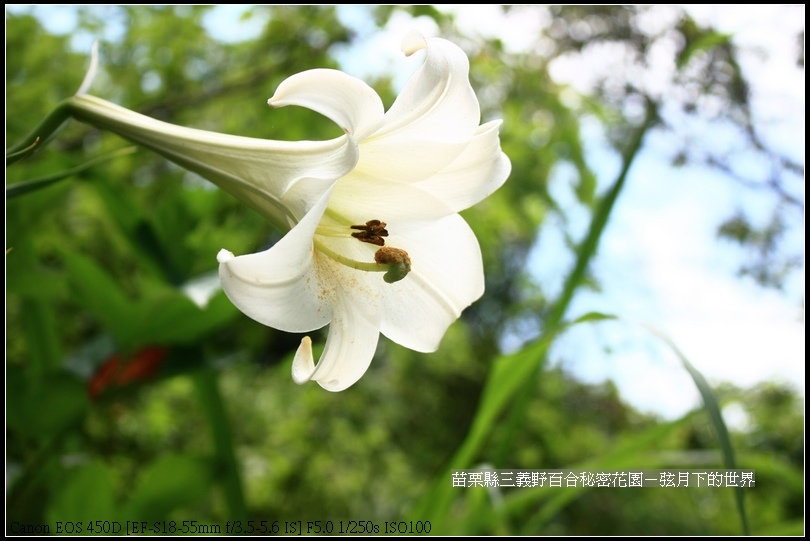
(303, 365)
(224, 256)
(347, 101)
(84, 88)
(412, 42)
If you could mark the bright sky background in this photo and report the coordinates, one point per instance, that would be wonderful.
(659, 262)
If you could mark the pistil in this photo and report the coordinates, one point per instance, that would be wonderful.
(394, 262)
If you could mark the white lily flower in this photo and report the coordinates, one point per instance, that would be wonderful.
(375, 243)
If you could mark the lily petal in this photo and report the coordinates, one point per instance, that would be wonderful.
(477, 173)
(447, 275)
(281, 287)
(347, 101)
(357, 194)
(350, 346)
(438, 101)
(431, 121)
(256, 171)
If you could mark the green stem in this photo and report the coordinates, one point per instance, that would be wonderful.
(41, 135)
(228, 468)
(585, 252)
(20, 188)
(587, 248)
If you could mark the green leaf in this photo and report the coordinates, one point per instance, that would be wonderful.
(33, 282)
(792, 528)
(38, 288)
(40, 325)
(705, 42)
(61, 402)
(594, 316)
(168, 483)
(46, 407)
(163, 315)
(141, 230)
(86, 496)
(176, 319)
(101, 296)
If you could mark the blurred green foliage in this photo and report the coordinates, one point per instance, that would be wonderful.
(193, 414)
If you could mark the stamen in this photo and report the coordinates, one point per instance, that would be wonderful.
(372, 232)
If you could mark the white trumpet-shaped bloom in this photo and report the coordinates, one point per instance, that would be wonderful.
(374, 242)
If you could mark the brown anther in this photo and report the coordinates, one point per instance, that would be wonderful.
(373, 232)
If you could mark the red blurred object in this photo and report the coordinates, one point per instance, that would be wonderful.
(115, 372)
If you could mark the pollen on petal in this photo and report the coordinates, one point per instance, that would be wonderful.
(224, 256)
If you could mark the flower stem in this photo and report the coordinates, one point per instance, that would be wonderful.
(41, 135)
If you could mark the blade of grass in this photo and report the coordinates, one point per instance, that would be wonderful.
(715, 417)
(507, 375)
